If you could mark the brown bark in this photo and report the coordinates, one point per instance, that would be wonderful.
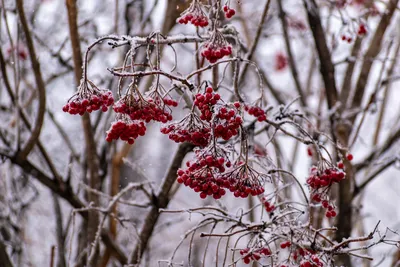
(114, 189)
(4, 259)
(40, 86)
(91, 152)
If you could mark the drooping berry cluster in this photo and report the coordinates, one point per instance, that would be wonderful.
(170, 102)
(321, 179)
(347, 38)
(227, 122)
(88, 100)
(151, 107)
(307, 258)
(362, 29)
(126, 130)
(216, 47)
(229, 12)
(203, 175)
(243, 180)
(190, 129)
(194, 15)
(256, 112)
(254, 255)
(285, 244)
(331, 209)
(205, 102)
(269, 207)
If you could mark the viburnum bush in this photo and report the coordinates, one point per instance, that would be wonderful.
(222, 134)
(275, 110)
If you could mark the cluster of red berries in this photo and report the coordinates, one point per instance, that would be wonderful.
(286, 244)
(281, 61)
(256, 112)
(198, 20)
(307, 258)
(202, 175)
(330, 213)
(170, 102)
(194, 15)
(244, 181)
(146, 110)
(207, 175)
(254, 255)
(81, 103)
(362, 30)
(347, 38)
(324, 178)
(325, 204)
(191, 129)
(229, 12)
(214, 51)
(126, 131)
(205, 103)
(268, 206)
(320, 181)
(227, 122)
(311, 263)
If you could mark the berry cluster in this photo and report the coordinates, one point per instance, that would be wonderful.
(307, 258)
(281, 61)
(322, 179)
(311, 263)
(126, 130)
(86, 100)
(190, 129)
(170, 102)
(216, 48)
(331, 210)
(203, 175)
(227, 122)
(286, 244)
(347, 38)
(325, 204)
(268, 206)
(244, 181)
(362, 30)
(254, 255)
(137, 107)
(256, 112)
(205, 103)
(229, 12)
(319, 181)
(194, 15)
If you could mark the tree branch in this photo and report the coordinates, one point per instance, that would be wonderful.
(33, 139)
